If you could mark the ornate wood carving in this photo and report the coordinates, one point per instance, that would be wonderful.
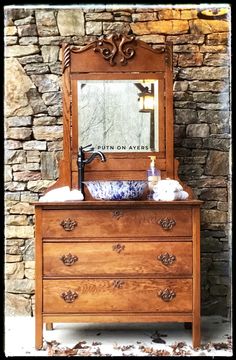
(69, 296)
(118, 284)
(117, 214)
(68, 224)
(66, 57)
(69, 259)
(166, 223)
(118, 248)
(166, 259)
(167, 295)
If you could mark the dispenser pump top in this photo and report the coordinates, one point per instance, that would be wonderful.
(152, 164)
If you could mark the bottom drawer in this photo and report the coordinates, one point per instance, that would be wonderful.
(117, 295)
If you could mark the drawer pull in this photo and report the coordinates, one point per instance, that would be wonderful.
(117, 214)
(68, 224)
(118, 248)
(69, 259)
(166, 259)
(69, 296)
(167, 295)
(166, 223)
(118, 284)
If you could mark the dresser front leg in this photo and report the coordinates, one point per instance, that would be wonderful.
(38, 332)
(196, 333)
(49, 326)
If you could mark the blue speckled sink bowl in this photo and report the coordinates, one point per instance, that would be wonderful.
(116, 189)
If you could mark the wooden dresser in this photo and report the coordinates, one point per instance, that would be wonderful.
(134, 261)
(118, 261)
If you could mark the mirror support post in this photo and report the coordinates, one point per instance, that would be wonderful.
(81, 170)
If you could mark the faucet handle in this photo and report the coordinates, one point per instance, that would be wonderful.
(87, 148)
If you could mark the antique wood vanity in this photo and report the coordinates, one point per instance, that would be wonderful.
(117, 261)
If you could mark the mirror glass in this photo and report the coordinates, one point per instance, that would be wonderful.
(114, 117)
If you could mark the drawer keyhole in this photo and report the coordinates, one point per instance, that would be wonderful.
(166, 259)
(118, 248)
(69, 259)
(118, 284)
(69, 296)
(68, 224)
(167, 295)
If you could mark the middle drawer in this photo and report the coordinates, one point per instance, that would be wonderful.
(112, 258)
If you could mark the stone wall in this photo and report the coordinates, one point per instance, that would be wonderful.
(33, 125)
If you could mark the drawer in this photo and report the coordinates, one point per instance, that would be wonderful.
(111, 258)
(117, 295)
(117, 223)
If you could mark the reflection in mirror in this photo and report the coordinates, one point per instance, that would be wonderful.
(113, 116)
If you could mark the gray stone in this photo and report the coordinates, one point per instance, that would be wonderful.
(210, 106)
(15, 186)
(213, 216)
(219, 194)
(23, 208)
(52, 98)
(186, 39)
(27, 20)
(49, 165)
(33, 156)
(12, 196)
(55, 110)
(186, 60)
(14, 270)
(21, 133)
(36, 102)
(217, 38)
(10, 40)
(27, 30)
(28, 253)
(16, 304)
(211, 245)
(39, 186)
(211, 116)
(213, 86)
(45, 120)
(102, 16)
(182, 96)
(217, 163)
(26, 175)
(17, 85)
(219, 268)
(93, 28)
(27, 196)
(16, 220)
(185, 104)
(204, 73)
(21, 50)
(50, 53)
(185, 116)
(48, 132)
(53, 40)
(13, 144)
(18, 13)
(117, 26)
(46, 22)
(22, 232)
(56, 68)
(181, 86)
(36, 69)
(153, 39)
(144, 16)
(35, 145)
(8, 173)
(20, 286)
(216, 59)
(9, 258)
(216, 144)
(27, 166)
(15, 156)
(208, 97)
(19, 121)
(55, 145)
(70, 22)
(30, 59)
(189, 48)
(46, 82)
(197, 130)
(10, 31)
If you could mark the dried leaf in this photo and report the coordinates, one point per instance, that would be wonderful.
(95, 343)
(79, 345)
(220, 346)
(156, 338)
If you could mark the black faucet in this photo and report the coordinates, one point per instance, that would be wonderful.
(82, 162)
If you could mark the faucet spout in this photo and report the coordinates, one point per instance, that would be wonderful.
(95, 154)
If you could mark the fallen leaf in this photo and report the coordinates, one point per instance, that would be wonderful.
(79, 345)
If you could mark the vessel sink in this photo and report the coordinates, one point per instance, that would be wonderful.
(116, 189)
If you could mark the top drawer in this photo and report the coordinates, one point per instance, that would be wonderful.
(116, 223)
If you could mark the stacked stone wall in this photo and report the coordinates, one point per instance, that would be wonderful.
(33, 125)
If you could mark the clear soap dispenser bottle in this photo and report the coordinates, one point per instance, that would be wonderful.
(153, 176)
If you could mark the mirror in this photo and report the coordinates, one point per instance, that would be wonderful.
(118, 115)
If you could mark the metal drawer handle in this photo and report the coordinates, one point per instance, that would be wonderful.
(166, 223)
(118, 284)
(166, 259)
(69, 259)
(167, 295)
(69, 296)
(118, 248)
(68, 224)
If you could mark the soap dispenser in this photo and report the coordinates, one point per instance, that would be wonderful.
(153, 176)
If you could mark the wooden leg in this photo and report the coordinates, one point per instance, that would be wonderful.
(188, 325)
(38, 332)
(196, 334)
(49, 326)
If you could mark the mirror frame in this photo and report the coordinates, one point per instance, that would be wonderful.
(117, 56)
